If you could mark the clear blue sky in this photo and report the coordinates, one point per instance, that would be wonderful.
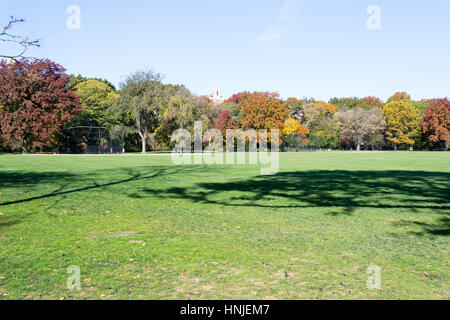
(314, 48)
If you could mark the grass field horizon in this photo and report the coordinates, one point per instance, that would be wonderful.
(142, 228)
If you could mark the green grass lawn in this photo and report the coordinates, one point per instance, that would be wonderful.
(141, 228)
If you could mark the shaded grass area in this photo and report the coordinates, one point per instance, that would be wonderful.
(141, 228)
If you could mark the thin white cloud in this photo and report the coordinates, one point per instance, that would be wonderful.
(271, 34)
(289, 10)
(288, 13)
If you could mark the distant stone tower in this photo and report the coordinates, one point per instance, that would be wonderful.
(216, 96)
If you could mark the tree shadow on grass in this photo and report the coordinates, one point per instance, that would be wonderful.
(64, 181)
(439, 228)
(342, 190)
(67, 183)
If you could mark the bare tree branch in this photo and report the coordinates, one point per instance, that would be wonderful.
(7, 35)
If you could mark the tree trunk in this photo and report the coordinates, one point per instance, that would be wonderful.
(359, 140)
(144, 146)
(24, 147)
(144, 143)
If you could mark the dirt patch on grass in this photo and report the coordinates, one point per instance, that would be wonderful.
(124, 234)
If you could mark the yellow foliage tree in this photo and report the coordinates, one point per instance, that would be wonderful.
(295, 128)
(325, 109)
(402, 122)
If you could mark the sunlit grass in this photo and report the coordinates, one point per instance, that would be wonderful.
(142, 228)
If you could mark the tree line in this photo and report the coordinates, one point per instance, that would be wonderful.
(40, 102)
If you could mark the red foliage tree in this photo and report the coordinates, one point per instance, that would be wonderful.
(225, 121)
(238, 97)
(35, 102)
(436, 121)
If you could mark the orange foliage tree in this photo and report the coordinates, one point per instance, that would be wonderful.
(263, 110)
(371, 102)
(400, 96)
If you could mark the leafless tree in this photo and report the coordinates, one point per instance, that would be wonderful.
(361, 126)
(22, 42)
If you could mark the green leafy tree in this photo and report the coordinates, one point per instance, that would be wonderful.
(322, 124)
(142, 101)
(234, 110)
(207, 110)
(422, 105)
(96, 100)
(346, 103)
(295, 108)
(76, 80)
(171, 122)
(179, 114)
